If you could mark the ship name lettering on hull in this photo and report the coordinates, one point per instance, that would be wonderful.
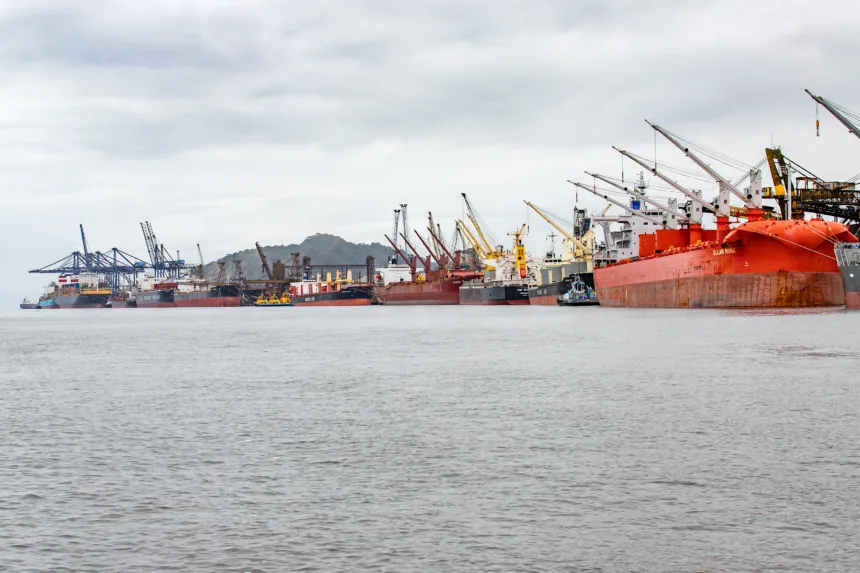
(728, 251)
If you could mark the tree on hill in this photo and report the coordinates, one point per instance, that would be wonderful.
(322, 248)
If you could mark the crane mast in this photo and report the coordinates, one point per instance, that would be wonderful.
(405, 226)
(752, 202)
(396, 231)
(86, 249)
(832, 108)
(439, 260)
(432, 225)
(265, 262)
(695, 218)
(425, 262)
(480, 232)
(476, 246)
(441, 245)
(200, 253)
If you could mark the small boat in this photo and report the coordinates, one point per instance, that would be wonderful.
(27, 304)
(580, 294)
(274, 301)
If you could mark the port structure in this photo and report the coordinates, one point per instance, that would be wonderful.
(810, 193)
(162, 264)
(119, 267)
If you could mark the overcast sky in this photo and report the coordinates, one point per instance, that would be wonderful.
(229, 122)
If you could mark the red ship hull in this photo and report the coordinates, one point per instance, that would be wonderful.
(766, 264)
(548, 300)
(852, 300)
(443, 291)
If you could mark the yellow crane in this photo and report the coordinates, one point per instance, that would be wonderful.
(520, 250)
(495, 251)
(582, 250)
(476, 246)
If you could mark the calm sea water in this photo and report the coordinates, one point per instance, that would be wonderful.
(429, 439)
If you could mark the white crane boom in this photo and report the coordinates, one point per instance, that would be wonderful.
(618, 203)
(683, 190)
(678, 214)
(706, 168)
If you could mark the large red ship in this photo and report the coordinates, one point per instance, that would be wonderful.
(439, 288)
(757, 264)
(404, 284)
(662, 257)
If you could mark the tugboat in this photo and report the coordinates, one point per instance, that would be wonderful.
(27, 304)
(274, 301)
(580, 294)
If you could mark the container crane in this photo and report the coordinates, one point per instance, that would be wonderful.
(152, 246)
(845, 116)
(162, 263)
(86, 249)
